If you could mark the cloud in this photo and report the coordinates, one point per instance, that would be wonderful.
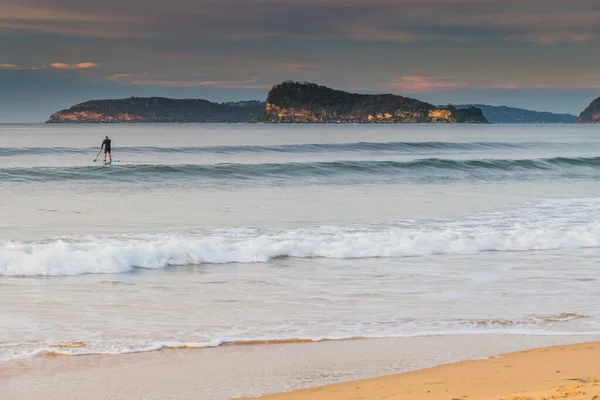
(299, 67)
(243, 84)
(84, 65)
(552, 38)
(148, 79)
(418, 84)
(124, 77)
(17, 67)
(373, 34)
(545, 22)
(72, 29)
(64, 21)
(412, 46)
(427, 84)
(14, 12)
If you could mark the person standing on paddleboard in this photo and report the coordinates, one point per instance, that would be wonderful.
(106, 146)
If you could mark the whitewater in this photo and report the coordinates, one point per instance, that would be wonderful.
(206, 235)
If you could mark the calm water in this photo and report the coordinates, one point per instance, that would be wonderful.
(205, 234)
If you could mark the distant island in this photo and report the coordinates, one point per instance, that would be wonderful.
(591, 115)
(158, 109)
(303, 102)
(511, 115)
(287, 102)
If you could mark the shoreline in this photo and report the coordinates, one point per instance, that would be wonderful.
(557, 372)
(244, 372)
(78, 348)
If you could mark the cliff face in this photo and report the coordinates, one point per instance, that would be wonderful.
(311, 103)
(590, 115)
(157, 109)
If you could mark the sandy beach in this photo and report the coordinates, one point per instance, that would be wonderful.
(563, 372)
(249, 371)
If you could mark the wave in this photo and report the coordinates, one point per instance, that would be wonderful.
(543, 325)
(113, 350)
(393, 147)
(418, 170)
(537, 228)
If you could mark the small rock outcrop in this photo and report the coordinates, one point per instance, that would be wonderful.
(590, 115)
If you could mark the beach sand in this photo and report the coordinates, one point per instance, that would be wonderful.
(242, 371)
(566, 372)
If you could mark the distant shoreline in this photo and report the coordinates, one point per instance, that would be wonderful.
(296, 102)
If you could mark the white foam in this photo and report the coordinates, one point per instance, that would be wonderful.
(120, 348)
(547, 226)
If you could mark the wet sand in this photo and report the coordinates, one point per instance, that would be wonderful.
(566, 372)
(253, 370)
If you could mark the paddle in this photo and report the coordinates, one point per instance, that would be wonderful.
(98, 154)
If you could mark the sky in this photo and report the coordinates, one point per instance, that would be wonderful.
(536, 54)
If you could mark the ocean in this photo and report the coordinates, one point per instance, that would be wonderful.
(205, 235)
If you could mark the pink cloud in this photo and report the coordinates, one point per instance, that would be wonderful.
(83, 65)
(148, 79)
(245, 84)
(85, 29)
(425, 84)
(124, 77)
(419, 84)
(368, 34)
(24, 13)
(16, 67)
(554, 38)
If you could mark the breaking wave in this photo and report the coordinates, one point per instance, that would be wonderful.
(543, 227)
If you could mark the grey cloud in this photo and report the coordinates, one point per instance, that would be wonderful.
(444, 45)
(386, 20)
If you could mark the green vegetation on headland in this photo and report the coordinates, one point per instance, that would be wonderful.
(296, 102)
(591, 115)
(158, 109)
(511, 115)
